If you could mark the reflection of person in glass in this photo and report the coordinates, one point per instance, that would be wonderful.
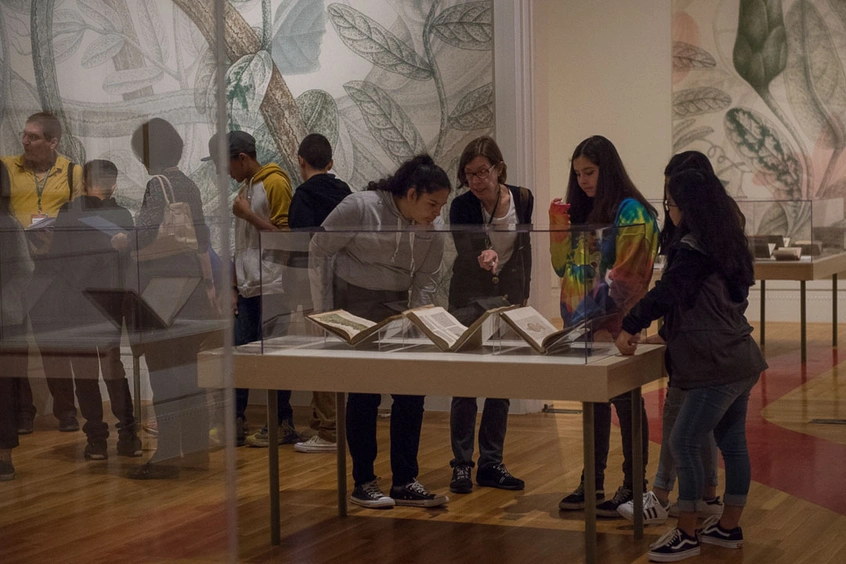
(15, 273)
(361, 270)
(179, 403)
(496, 262)
(603, 279)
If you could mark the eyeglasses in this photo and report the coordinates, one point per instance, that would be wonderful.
(481, 174)
(31, 137)
(669, 204)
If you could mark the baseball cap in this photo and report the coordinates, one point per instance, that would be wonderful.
(239, 142)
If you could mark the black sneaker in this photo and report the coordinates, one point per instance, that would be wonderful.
(25, 426)
(461, 482)
(609, 508)
(498, 476)
(576, 500)
(712, 533)
(241, 430)
(370, 495)
(413, 494)
(68, 425)
(675, 545)
(96, 449)
(7, 471)
(130, 446)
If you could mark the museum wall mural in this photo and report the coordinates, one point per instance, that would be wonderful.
(382, 79)
(760, 87)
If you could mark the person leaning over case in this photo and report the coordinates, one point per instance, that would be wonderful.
(493, 263)
(361, 271)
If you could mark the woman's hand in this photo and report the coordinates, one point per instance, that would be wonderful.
(489, 260)
(627, 343)
(559, 216)
(120, 242)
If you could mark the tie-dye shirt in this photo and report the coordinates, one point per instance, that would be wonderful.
(605, 277)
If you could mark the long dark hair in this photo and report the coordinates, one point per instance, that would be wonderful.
(420, 172)
(613, 185)
(708, 214)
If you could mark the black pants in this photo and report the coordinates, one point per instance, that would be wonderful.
(602, 428)
(362, 409)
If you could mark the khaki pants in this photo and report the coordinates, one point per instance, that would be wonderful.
(323, 415)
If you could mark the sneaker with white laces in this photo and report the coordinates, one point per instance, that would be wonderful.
(712, 533)
(609, 507)
(653, 511)
(461, 482)
(413, 494)
(370, 495)
(316, 444)
(673, 546)
(576, 500)
(704, 508)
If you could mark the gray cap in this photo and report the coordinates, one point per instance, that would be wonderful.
(239, 142)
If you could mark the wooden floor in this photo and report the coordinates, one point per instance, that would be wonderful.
(63, 509)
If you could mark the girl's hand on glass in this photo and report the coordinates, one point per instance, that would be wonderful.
(627, 343)
(489, 260)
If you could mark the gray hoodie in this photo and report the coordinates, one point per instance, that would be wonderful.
(367, 243)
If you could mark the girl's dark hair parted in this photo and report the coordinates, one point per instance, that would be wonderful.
(709, 214)
(420, 172)
(613, 185)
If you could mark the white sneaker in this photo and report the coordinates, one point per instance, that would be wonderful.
(653, 511)
(316, 444)
(370, 495)
(704, 509)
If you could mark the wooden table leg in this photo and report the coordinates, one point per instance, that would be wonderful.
(273, 464)
(802, 321)
(341, 441)
(590, 483)
(834, 311)
(637, 462)
(763, 311)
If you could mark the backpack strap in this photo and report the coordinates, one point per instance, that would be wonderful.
(523, 203)
(70, 180)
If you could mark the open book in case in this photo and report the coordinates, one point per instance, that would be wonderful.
(322, 308)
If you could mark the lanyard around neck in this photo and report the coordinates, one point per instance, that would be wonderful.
(39, 185)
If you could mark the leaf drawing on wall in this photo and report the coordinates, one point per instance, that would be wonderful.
(101, 50)
(299, 26)
(320, 113)
(67, 21)
(246, 84)
(698, 101)
(120, 82)
(687, 56)
(66, 45)
(466, 26)
(205, 86)
(759, 144)
(102, 14)
(386, 120)
(696, 134)
(152, 29)
(373, 42)
(760, 49)
(680, 125)
(814, 77)
(774, 220)
(839, 8)
(475, 110)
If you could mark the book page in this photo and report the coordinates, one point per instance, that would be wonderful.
(166, 295)
(530, 324)
(440, 323)
(342, 322)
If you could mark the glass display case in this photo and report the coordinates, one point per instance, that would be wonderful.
(428, 290)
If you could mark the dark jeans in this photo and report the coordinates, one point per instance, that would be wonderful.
(12, 364)
(249, 328)
(602, 429)
(13, 369)
(462, 428)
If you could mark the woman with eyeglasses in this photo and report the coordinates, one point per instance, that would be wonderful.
(494, 262)
(601, 280)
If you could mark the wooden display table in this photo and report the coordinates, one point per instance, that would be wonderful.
(315, 363)
(802, 270)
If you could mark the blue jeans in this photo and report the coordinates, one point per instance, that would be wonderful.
(249, 328)
(665, 477)
(721, 409)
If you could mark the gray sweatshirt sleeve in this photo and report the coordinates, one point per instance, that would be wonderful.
(323, 248)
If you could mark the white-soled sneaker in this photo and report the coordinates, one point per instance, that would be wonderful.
(704, 509)
(316, 444)
(712, 533)
(413, 494)
(653, 511)
(370, 495)
(674, 546)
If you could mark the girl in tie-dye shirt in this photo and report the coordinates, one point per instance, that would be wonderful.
(602, 277)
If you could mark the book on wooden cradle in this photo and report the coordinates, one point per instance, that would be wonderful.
(351, 328)
(537, 330)
(441, 327)
(449, 334)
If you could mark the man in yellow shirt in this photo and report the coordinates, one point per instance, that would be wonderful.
(42, 181)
